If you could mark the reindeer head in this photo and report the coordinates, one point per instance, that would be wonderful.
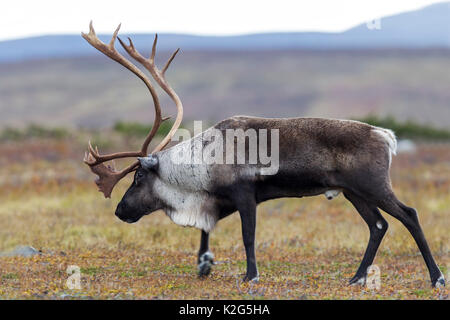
(141, 198)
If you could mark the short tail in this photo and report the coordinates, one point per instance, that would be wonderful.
(389, 138)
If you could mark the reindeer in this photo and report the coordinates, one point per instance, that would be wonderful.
(316, 156)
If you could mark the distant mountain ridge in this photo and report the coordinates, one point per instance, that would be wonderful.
(426, 27)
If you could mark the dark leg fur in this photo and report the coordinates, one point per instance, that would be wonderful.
(377, 227)
(247, 210)
(408, 216)
(205, 257)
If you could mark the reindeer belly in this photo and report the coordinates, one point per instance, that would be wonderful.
(293, 185)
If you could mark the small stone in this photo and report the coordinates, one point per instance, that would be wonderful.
(21, 251)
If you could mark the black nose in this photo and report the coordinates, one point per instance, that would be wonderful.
(119, 210)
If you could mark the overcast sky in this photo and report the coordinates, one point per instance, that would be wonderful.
(20, 18)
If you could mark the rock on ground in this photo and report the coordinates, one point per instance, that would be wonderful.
(20, 251)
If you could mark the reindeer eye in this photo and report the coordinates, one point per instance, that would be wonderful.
(139, 174)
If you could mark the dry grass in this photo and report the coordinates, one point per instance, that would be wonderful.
(306, 248)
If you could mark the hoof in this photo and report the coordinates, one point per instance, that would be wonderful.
(357, 280)
(254, 279)
(439, 283)
(205, 264)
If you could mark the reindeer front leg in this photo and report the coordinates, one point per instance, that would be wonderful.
(247, 211)
(205, 257)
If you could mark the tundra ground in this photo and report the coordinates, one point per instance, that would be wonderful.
(306, 248)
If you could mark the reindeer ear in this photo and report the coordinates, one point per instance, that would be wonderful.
(148, 163)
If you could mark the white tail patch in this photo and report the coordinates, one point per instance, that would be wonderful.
(389, 137)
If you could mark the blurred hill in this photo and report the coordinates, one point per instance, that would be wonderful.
(426, 27)
(95, 91)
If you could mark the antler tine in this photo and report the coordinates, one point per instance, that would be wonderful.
(159, 77)
(152, 56)
(163, 71)
(114, 37)
(91, 29)
(129, 40)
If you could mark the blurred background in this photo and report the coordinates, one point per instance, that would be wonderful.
(394, 65)
(383, 62)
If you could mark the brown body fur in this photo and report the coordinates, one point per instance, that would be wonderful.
(316, 155)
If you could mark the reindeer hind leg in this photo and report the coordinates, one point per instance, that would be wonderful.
(409, 218)
(377, 227)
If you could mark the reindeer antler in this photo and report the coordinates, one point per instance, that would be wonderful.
(107, 175)
(160, 78)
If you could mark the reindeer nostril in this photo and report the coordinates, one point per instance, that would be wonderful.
(119, 209)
